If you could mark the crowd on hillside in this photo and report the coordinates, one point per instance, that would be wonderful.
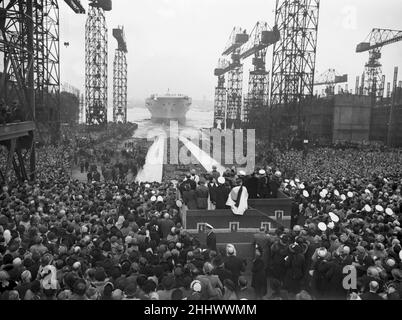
(111, 240)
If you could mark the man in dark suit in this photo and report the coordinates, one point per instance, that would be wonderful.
(221, 194)
(372, 295)
(251, 183)
(211, 237)
(234, 264)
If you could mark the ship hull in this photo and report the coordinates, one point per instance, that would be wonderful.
(164, 109)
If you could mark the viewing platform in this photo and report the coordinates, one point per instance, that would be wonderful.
(16, 130)
(239, 230)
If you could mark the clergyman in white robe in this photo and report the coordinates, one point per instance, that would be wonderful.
(232, 199)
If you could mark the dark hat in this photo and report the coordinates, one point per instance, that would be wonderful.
(229, 284)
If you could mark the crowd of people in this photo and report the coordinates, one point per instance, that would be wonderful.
(65, 239)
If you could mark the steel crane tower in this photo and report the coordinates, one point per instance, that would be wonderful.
(96, 63)
(220, 102)
(120, 77)
(228, 101)
(294, 56)
(377, 39)
(29, 43)
(235, 78)
(257, 98)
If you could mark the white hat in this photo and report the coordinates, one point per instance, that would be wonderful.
(346, 250)
(292, 183)
(153, 191)
(331, 225)
(287, 180)
(242, 173)
(367, 208)
(336, 192)
(278, 173)
(297, 180)
(76, 265)
(147, 185)
(350, 194)
(325, 191)
(334, 217)
(153, 198)
(305, 194)
(322, 252)
(166, 215)
(379, 208)
(207, 225)
(262, 171)
(196, 285)
(221, 180)
(343, 197)
(322, 226)
(322, 194)
(179, 203)
(230, 248)
(77, 249)
(389, 211)
(367, 191)
(301, 186)
(160, 199)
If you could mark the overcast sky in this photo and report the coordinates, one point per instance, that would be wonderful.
(176, 43)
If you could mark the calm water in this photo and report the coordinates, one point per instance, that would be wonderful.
(196, 119)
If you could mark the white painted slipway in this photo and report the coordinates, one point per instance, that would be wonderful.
(153, 167)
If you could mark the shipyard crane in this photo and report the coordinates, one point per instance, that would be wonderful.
(261, 37)
(377, 39)
(120, 77)
(330, 78)
(220, 95)
(233, 94)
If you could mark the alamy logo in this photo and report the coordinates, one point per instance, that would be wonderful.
(349, 282)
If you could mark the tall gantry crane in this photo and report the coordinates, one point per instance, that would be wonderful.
(330, 78)
(294, 56)
(120, 77)
(220, 101)
(237, 38)
(376, 40)
(29, 47)
(96, 63)
(261, 37)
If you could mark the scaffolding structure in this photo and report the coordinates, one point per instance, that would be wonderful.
(17, 84)
(257, 96)
(220, 101)
(96, 64)
(294, 56)
(47, 68)
(120, 78)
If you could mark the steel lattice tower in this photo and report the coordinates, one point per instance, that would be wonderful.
(16, 44)
(120, 78)
(96, 49)
(234, 96)
(220, 103)
(294, 55)
(47, 67)
(257, 95)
